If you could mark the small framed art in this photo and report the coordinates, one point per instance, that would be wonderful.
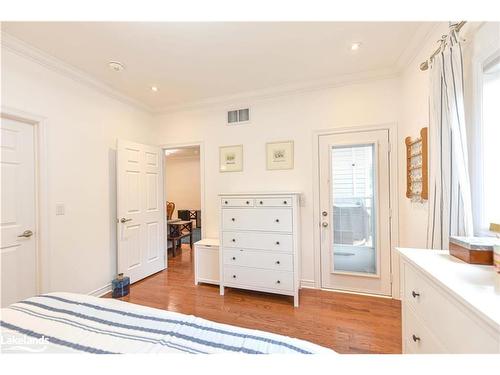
(279, 155)
(231, 158)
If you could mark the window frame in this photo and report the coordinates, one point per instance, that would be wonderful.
(485, 55)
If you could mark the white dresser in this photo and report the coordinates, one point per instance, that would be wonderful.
(259, 242)
(448, 306)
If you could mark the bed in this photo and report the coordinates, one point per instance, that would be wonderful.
(67, 322)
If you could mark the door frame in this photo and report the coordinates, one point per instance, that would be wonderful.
(201, 145)
(393, 198)
(42, 255)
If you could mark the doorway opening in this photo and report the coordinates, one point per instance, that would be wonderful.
(183, 194)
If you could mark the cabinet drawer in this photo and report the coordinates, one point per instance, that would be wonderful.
(268, 279)
(451, 322)
(417, 338)
(273, 202)
(258, 259)
(263, 241)
(266, 219)
(237, 202)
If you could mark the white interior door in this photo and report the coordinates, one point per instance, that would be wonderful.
(141, 210)
(355, 211)
(18, 237)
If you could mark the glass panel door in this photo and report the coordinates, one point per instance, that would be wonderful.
(353, 210)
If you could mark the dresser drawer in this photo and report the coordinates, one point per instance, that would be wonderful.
(267, 279)
(261, 241)
(266, 219)
(237, 202)
(417, 338)
(259, 259)
(274, 202)
(453, 324)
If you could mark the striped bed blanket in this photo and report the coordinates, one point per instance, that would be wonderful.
(67, 322)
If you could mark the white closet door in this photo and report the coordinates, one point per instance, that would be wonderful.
(18, 237)
(141, 210)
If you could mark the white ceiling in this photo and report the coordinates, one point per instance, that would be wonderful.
(194, 62)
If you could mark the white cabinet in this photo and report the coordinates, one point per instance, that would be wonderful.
(206, 261)
(260, 242)
(448, 306)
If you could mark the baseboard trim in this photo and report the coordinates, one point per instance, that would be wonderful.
(101, 291)
(357, 293)
(309, 284)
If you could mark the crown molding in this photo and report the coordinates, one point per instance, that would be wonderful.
(27, 51)
(416, 43)
(36, 55)
(284, 90)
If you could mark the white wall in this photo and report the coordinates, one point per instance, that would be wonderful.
(291, 117)
(414, 115)
(182, 182)
(82, 128)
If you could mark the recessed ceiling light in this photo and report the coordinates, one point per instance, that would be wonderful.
(355, 46)
(116, 66)
(154, 88)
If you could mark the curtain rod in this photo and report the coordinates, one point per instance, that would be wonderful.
(454, 26)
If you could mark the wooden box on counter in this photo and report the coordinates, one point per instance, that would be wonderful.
(473, 250)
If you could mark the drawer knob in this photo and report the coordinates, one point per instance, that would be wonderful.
(234, 240)
(278, 282)
(415, 338)
(277, 242)
(234, 276)
(234, 258)
(277, 262)
(415, 294)
(277, 220)
(261, 202)
(233, 219)
(248, 202)
(284, 202)
(225, 202)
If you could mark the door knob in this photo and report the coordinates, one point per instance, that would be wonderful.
(123, 220)
(26, 234)
(324, 224)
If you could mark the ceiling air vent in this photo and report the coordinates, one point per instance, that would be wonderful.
(238, 116)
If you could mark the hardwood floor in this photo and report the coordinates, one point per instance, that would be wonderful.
(347, 323)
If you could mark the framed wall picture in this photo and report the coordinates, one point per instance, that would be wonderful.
(231, 158)
(279, 155)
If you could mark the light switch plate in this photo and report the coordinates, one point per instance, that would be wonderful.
(60, 209)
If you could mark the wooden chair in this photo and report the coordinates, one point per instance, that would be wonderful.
(170, 210)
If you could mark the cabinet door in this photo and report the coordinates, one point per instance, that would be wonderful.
(207, 264)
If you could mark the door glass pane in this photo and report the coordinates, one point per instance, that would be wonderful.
(353, 193)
